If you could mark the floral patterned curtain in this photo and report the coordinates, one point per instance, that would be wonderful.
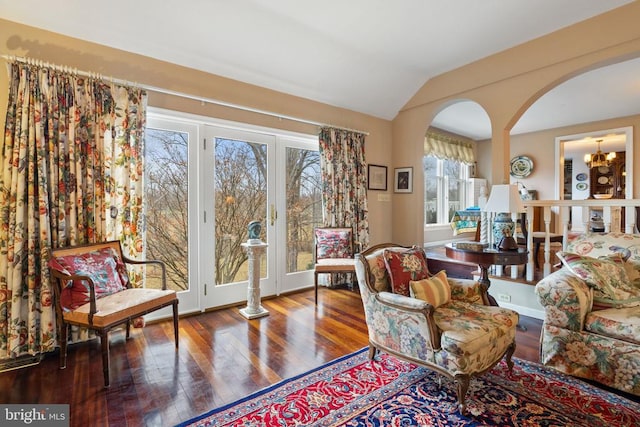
(71, 173)
(344, 182)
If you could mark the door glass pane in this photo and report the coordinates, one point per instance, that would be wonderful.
(304, 206)
(166, 204)
(240, 197)
(454, 193)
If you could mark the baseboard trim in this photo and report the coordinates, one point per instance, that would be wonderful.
(524, 311)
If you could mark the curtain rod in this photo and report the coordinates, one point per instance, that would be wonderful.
(156, 89)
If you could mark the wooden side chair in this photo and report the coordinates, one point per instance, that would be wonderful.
(538, 238)
(334, 252)
(92, 290)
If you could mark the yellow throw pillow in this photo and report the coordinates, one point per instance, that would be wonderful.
(435, 290)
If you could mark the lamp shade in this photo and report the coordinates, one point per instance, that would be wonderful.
(504, 198)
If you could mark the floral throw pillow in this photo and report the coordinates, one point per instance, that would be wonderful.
(404, 266)
(333, 243)
(103, 266)
(435, 290)
(629, 267)
(605, 276)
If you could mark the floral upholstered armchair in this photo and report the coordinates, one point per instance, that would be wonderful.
(591, 325)
(431, 320)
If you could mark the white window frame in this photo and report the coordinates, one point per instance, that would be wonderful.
(442, 198)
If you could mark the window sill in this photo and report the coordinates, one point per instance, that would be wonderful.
(437, 227)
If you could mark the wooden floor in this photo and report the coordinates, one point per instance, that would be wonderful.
(222, 358)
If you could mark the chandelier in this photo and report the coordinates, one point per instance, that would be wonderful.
(599, 158)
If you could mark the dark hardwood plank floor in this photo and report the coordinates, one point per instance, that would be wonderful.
(222, 357)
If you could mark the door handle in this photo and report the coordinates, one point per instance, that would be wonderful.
(274, 214)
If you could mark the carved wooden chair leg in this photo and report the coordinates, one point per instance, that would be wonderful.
(62, 334)
(509, 354)
(462, 383)
(175, 321)
(372, 352)
(104, 341)
(315, 282)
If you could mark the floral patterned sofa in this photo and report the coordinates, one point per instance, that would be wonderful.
(428, 319)
(591, 326)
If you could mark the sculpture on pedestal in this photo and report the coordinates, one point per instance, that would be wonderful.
(254, 248)
(254, 229)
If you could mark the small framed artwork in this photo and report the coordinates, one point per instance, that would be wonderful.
(403, 180)
(377, 177)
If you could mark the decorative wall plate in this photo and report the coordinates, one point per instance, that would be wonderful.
(603, 180)
(603, 169)
(581, 177)
(521, 166)
(581, 186)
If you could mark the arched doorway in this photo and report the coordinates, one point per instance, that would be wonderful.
(452, 183)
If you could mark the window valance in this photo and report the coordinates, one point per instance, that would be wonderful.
(448, 147)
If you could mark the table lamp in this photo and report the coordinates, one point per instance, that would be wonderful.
(504, 200)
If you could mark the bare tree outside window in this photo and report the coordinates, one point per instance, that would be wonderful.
(240, 197)
(239, 193)
(166, 204)
(304, 206)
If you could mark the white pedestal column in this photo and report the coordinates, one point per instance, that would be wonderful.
(254, 248)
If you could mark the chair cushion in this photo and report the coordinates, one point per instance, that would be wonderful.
(115, 308)
(608, 278)
(471, 329)
(333, 243)
(404, 265)
(619, 323)
(329, 265)
(103, 266)
(435, 290)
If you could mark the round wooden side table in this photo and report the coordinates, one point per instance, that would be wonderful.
(485, 258)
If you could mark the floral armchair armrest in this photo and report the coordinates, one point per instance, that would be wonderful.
(467, 290)
(406, 324)
(566, 300)
(401, 302)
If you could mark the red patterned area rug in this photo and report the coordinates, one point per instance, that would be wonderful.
(352, 391)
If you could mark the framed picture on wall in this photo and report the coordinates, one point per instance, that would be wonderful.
(377, 177)
(403, 180)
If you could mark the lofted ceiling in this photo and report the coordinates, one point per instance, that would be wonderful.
(604, 93)
(369, 56)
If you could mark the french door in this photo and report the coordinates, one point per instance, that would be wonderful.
(238, 188)
(205, 183)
